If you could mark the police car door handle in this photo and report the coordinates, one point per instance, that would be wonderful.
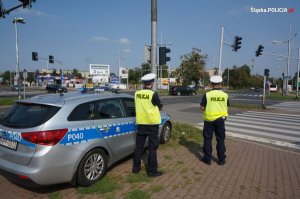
(104, 129)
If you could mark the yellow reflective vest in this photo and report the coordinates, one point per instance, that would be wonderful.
(216, 105)
(146, 112)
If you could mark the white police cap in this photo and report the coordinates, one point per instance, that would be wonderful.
(149, 77)
(216, 79)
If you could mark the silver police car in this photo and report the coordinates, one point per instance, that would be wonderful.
(70, 137)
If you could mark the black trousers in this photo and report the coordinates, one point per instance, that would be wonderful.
(144, 131)
(217, 126)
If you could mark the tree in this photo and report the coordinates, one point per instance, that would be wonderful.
(134, 75)
(6, 77)
(113, 75)
(163, 71)
(146, 68)
(76, 73)
(240, 77)
(30, 77)
(192, 68)
(54, 73)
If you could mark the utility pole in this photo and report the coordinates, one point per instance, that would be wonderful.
(220, 53)
(297, 78)
(153, 40)
(288, 61)
(264, 93)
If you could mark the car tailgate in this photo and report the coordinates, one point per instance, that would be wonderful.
(14, 149)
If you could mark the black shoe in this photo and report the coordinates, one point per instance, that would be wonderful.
(221, 162)
(154, 174)
(206, 161)
(135, 170)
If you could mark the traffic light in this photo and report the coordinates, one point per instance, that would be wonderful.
(237, 43)
(259, 50)
(27, 3)
(267, 72)
(51, 59)
(147, 54)
(35, 56)
(163, 55)
(2, 11)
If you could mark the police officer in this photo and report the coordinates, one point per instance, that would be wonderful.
(147, 108)
(215, 106)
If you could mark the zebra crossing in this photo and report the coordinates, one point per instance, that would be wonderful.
(281, 129)
(287, 106)
(244, 95)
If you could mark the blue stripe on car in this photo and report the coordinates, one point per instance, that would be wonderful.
(81, 135)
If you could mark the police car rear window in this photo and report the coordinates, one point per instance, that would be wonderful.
(24, 115)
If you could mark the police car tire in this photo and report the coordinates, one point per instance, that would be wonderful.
(178, 93)
(82, 180)
(163, 137)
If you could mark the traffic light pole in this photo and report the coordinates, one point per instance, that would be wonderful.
(297, 78)
(220, 52)
(154, 40)
(264, 93)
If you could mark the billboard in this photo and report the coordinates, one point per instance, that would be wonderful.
(123, 72)
(99, 70)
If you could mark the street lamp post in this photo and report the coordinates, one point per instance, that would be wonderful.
(297, 78)
(119, 68)
(288, 56)
(15, 21)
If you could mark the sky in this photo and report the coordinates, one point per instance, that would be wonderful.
(79, 33)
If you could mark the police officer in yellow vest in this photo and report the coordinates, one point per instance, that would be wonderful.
(215, 106)
(147, 108)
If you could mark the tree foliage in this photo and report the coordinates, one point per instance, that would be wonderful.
(192, 68)
(240, 77)
(76, 73)
(6, 77)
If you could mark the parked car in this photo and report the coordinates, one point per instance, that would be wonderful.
(182, 90)
(16, 88)
(273, 88)
(72, 137)
(55, 88)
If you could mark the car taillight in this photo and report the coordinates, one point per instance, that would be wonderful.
(48, 138)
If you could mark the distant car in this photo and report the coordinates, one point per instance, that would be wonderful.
(69, 138)
(16, 88)
(273, 88)
(105, 88)
(257, 89)
(55, 88)
(182, 90)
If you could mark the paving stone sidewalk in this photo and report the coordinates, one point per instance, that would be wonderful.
(251, 171)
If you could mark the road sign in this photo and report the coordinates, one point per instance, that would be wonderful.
(25, 74)
(287, 77)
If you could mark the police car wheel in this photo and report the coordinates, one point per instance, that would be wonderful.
(165, 133)
(92, 167)
(178, 93)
